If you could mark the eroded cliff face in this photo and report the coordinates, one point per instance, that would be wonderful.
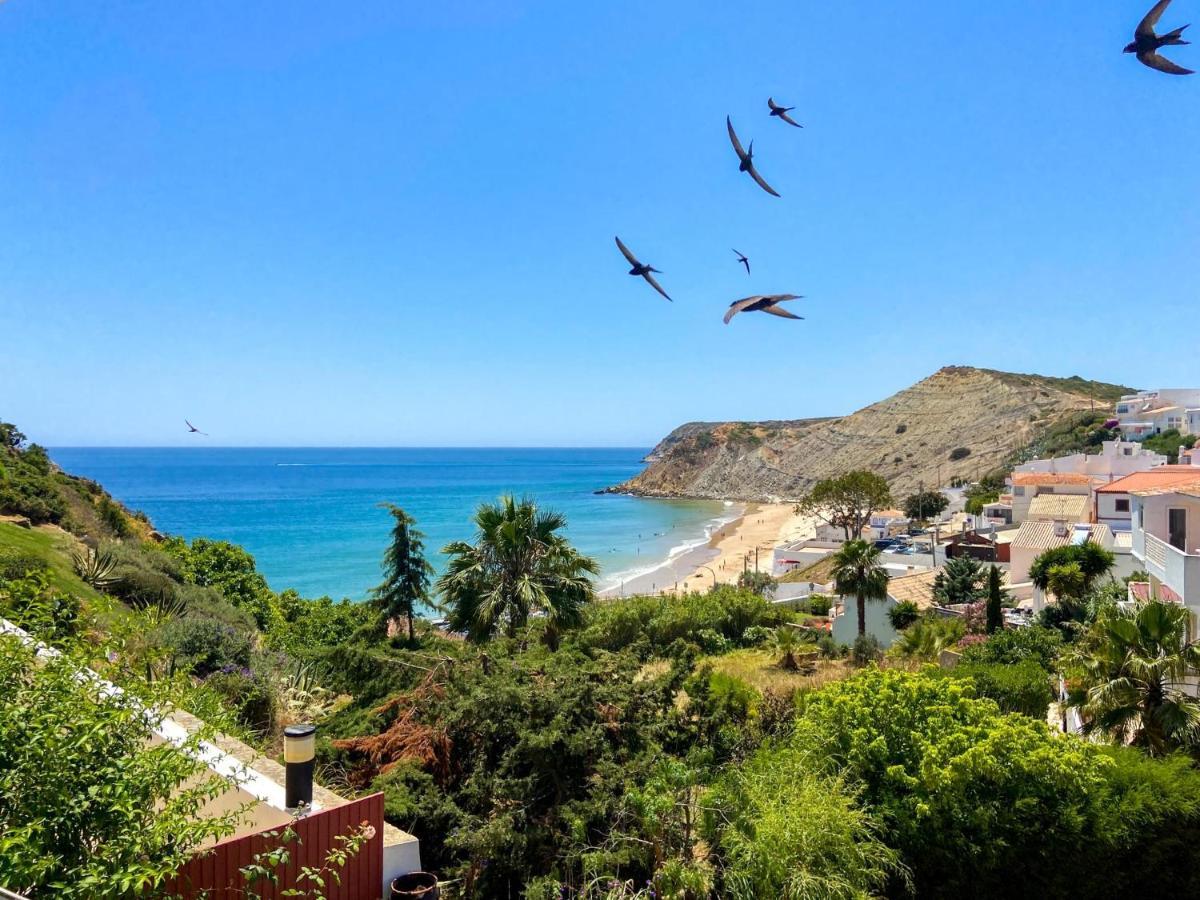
(964, 420)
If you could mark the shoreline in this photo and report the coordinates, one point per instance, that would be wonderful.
(722, 557)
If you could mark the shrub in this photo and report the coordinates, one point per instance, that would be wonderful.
(959, 453)
(1016, 645)
(903, 614)
(208, 646)
(829, 648)
(16, 564)
(1022, 687)
(250, 694)
(969, 795)
(784, 831)
(927, 638)
(655, 623)
(31, 603)
(901, 428)
(865, 650)
(92, 807)
(816, 605)
(141, 588)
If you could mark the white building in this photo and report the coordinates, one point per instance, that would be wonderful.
(1114, 502)
(1028, 485)
(1150, 412)
(916, 587)
(1166, 541)
(887, 522)
(1116, 459)
(1033, 539)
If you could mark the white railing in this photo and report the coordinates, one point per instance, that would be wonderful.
(1156, 551)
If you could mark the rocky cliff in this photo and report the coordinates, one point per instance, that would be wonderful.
(958, 422)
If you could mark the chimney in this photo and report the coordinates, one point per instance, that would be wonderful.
(299, 752)
(1060, 528)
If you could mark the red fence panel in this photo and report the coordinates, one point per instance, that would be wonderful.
(215, 874)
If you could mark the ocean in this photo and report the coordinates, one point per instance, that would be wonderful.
(311, 516)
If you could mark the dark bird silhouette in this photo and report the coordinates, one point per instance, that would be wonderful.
(642, 270)
(781, 112)
(767, 303)
(746, 159)
(742, 259)
(1146, 43)
(192, 429)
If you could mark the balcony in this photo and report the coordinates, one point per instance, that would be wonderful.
(1177, 570)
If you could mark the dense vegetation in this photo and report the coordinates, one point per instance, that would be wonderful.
(693, 746)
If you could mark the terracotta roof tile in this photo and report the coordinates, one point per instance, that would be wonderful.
(1159, 477)
(1037, 478)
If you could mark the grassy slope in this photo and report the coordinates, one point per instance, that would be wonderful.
(52, 545)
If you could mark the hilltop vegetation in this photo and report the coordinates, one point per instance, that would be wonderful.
(957, 424)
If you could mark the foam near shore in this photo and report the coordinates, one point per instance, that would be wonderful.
(723, 555)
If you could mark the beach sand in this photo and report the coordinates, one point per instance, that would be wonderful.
(730, 549)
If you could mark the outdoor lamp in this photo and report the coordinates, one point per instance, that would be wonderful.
(299, 751)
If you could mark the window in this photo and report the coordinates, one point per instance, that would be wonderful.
(1123, 505)
(1177, 528)
(1018, 492)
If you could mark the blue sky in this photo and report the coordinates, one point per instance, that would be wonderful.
(391, 223)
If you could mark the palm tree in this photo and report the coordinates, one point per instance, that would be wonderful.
(406, 573)
(856, 571)
(518, 565)
(784, 641)
(1132, 687)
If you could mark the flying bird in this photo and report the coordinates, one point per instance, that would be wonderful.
(768, 303)
(742, 259)
(192, 429)
(746, 160)
(1146, 43)
(781, 112)
(642, 270)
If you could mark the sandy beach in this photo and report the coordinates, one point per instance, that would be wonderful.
(730, 550)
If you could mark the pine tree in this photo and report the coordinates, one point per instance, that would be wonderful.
(406, 572)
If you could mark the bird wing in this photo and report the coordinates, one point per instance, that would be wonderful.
(761, 183)
(633, 261)
(745, 262)
(190, 425)
(1155, 61)
(1146, 26)
(658, 287)
(742, 305)
(772, 104)
(781, 312)
(733, 138)
(790, 120)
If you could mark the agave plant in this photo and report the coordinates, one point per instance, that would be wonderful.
(302, 696)
(95, 567)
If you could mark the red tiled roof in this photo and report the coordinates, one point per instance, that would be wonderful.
(1159, 477)
(1032, 478)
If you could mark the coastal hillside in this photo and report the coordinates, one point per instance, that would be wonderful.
(959, 422)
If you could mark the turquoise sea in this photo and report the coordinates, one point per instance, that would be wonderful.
(311, 516)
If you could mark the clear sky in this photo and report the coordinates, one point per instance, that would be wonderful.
(391, 223)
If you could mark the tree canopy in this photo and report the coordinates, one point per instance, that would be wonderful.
(847, 501)
(519, 564)
(406, 572)
(925, 504)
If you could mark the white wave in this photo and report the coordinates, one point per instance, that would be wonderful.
(710, 528)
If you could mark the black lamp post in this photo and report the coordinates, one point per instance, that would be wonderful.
(299, 752)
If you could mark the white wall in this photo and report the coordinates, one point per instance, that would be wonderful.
(845, 626)
(1107, 512)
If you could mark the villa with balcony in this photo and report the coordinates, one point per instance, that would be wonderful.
(1166, 541)
(1147, 413)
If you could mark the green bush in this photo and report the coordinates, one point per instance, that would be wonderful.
(250, 694)
(657, 622)
(782, 830)
(815, 605)
(970, 795)
(30, 602)
(1016, 645)
(903, 614)
(865, 650)
(207, 646)
(15, 564)
(1022, 687)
